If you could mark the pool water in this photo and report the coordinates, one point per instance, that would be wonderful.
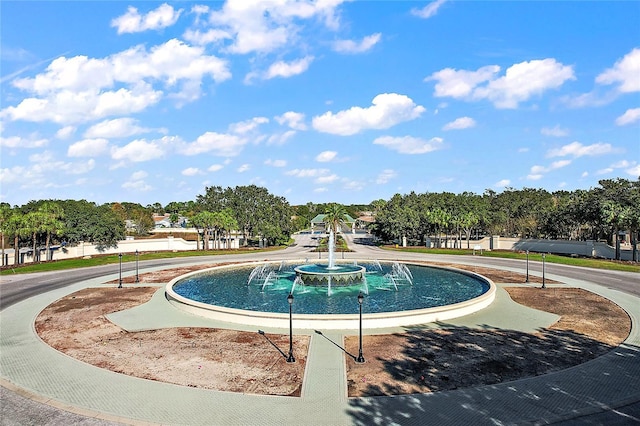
(431, 287)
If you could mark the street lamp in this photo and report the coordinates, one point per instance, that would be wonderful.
(137, 276)
(290, 358)
(527, 280)
(543, 283)
(120, 279)
(360, 358)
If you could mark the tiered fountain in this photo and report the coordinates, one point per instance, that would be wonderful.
(330, 274)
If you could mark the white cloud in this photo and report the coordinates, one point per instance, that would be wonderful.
(295, 120)
(555, 131)
(215, 167)
(353, 185)
(307, 173)
(288, 69)
(429, 10)
(243, 168)
(264, 26)
(280, 138)
(137, 186)
(88, 148)
(191, 171)
(20, 142)
(553, 166)
(604, 171)
(79, 89)
(520, 82)
(460, 123)
(350, 46)
(634, 171)
(625, 73)
(206, 37)
(460, 84)
(44, 170)
(502, 183)
(385, 176)
(132, 22)
(65, 132)
(326, 156)
(140, 174)
(70, 107)
(138, 151)
(116, 128)
(276, 163)
(630, 167)
(217, 143)
(409, 144)
(576, 149)
(323, 180)
(630, 116)
(247, 126)
(387, 110)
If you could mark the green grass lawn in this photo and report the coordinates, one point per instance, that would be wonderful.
(59, 265)
(550, 258)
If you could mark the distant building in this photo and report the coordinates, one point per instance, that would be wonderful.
(318, 224)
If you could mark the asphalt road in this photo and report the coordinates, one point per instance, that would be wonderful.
(19, 287)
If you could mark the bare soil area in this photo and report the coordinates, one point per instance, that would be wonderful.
(430, 360)
(206, 358)
(420, 360)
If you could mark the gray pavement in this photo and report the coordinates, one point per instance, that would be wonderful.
(43, 386)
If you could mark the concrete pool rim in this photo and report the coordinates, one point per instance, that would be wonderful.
(330, 321)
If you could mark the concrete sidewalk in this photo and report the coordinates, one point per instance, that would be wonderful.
(37, 371)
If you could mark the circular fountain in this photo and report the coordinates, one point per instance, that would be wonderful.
(326, 295)
(323, 275)
(331, 273)
(396, 294)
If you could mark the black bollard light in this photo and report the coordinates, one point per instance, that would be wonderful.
(543, 283)
(137, 276)
(290, 358)
(360, 358)
(120, 279)
(527, 280)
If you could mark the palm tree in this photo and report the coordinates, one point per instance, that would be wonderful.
(52, 215)
(335, 216)
(5, 215)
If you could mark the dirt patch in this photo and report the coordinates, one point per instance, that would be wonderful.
(205, 358)
(166, 275)
(430, 360)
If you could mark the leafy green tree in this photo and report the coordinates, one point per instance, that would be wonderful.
(5, 217)
(173, 219)
(335, 217)
(52, 223)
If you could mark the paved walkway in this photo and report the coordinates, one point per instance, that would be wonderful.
(29, 367)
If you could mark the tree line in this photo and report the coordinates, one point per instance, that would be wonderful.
(596, 213)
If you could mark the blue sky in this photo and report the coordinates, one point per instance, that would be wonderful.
(321, 101)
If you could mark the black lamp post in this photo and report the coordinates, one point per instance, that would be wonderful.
(290, 358)
(137, 276)
(120, 279)
(543, 283)
(360, 358)
(527, 280)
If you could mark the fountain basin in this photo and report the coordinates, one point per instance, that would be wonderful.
(278, 317)
(338, 275)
